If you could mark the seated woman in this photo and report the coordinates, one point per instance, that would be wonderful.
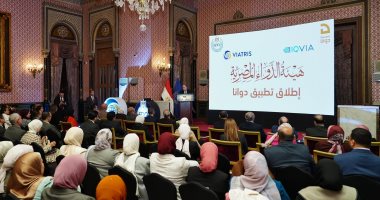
(73, 142)
(231, 134)
(68, 175)
(27, 180)
(69, 117)
(131, 161)
(255, 183)
(273, 140)
(183, 143)
(101, 155)
(329, 184)
(167, 165)
(9, 161)
(37, 111)
(111, 187)
(334, 143)
(5, 146)
(207, 173)
(32, 136)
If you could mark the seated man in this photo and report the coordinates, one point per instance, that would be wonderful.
(282, 120)
(90, 129)
(139, 125)
(288, 154)
(150, 117)
(219, 123)
(111, 123)
(319, 129)
(168, 119)
(49, 130)
(250, 125)
(131, 114)
(360, 161)
(15, 132)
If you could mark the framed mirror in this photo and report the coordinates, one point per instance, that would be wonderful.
(5, 52)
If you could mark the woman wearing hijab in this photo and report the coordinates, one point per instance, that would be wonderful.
(255, 183)
(31, 136)
(4, 148)
(167, 165)
(183, 143)
(101, 155)
(68, 175)
(334, 143)
(111, 188)
(231, 134)
(131, 161)
(207, 174)
(329, 184)
(9, 161)
(73, 140)
(26, 180)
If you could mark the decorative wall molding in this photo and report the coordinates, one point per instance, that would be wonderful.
(98, 16)
(54, 15)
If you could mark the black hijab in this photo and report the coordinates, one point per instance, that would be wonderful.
(328, 175)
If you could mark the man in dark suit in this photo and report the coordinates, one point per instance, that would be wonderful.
(360, 160)
(223, 115)
(319, 129)
(131, 114)
(50, 130)
(250, 125)
(139, 125)
(15, 132)
(167, 119)
(92, 101)
(185, 90)
(2, 128)
(61, 100)
(90, 129)
(111, 123)
(288, 154)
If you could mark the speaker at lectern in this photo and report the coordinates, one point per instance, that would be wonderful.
(186, 106)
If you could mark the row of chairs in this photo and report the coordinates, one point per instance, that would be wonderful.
(310, 142)
(154, 184)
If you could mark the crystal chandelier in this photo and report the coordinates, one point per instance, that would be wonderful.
(143, 7)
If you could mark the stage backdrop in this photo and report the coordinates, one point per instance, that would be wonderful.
(288, 69)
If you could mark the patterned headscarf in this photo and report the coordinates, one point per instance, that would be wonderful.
(103, 139)
(335, 135)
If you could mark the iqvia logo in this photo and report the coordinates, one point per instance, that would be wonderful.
(299, 48)
(217, 44)
(228, 54)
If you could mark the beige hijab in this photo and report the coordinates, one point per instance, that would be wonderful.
(73, 141)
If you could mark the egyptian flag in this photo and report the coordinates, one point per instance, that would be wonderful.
(167, 95)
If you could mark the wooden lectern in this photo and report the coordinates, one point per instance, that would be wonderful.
(186, 106)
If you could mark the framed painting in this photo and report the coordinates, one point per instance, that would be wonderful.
(5, 52)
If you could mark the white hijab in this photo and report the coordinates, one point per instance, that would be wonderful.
(73, 140)
(35, 126)
(184, 120)
(184, 134)
(131, 145)
(10, 159)
(4, 148)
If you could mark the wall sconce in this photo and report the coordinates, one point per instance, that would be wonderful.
(35, 68)
(163, 67)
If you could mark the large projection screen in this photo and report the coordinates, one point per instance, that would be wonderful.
(288, 69)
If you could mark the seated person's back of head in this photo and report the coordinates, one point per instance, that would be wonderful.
(111, 115)
(92, 115)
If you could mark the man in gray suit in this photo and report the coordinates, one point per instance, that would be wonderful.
(14, 132)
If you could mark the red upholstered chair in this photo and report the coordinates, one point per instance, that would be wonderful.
(252, 138)
(310, 142)
(231, 149)
(162, 128)
(215, 133)
(152, 128)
